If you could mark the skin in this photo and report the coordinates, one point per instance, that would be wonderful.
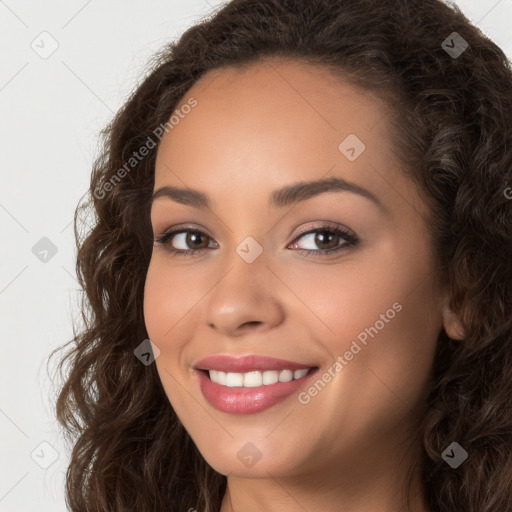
(253, 131)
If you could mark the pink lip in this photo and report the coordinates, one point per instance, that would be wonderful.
(240, 400)
(245, 364)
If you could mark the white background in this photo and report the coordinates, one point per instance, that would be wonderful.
(51, 112)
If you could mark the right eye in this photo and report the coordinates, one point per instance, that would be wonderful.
(185, 237)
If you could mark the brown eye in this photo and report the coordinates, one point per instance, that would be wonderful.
(327, 239)
(196, 240)
(324, 240)
(185, 241)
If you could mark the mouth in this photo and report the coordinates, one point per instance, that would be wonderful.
(256, 378)
(243, 364)
(250, 384)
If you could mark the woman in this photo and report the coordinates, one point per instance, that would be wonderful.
(306, 208)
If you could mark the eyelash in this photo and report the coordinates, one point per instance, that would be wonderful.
(351, 240)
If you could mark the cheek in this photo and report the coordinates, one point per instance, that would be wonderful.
(379, 314)
(167, 299)
(387, 292)
(171, 299)
(156, 302)
(168, 296)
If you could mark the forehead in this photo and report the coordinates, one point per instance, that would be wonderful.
(290, 99)
(272, 123)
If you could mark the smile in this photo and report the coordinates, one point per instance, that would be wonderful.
(255, 378)
(260, 382)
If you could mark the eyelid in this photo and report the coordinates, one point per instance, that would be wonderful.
(185, 227)
(321, 224)
(350, 237)
(317, 226)
(351, 240)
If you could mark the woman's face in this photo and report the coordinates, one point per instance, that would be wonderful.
(365, 315)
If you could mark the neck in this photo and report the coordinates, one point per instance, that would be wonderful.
(375, 481)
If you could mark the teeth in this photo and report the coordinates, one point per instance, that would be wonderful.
(234, 379)
(270, 377)
(297, 374)
(285, 376)
(252, 379)
(220, 377)
(255, 378)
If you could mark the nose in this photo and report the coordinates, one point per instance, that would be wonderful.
(245, 299)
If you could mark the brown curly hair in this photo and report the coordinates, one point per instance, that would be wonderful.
(452, 129)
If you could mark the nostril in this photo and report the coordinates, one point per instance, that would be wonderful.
(252, 322)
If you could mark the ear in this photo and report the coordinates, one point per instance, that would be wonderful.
(451, 322)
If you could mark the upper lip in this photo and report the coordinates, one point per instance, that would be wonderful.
(245, 364)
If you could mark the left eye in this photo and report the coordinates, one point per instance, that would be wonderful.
(328, 239)
(325, 237)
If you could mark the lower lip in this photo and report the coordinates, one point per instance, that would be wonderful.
(238, 400)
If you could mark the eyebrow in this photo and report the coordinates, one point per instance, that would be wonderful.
(288, 195)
